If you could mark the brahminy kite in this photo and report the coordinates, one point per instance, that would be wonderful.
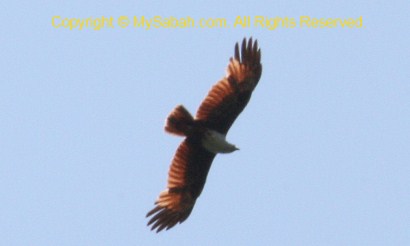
(205, 136)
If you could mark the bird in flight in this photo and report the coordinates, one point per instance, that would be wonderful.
(205, 136)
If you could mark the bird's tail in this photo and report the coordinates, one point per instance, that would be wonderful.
(179, 122)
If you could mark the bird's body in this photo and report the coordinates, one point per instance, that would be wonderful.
(205, 136)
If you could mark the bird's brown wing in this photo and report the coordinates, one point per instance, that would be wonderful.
(186, 179)
(226, 100)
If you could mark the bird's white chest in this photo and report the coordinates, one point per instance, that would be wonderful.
(215, 142)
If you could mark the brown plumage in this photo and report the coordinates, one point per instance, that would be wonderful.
(205, 136)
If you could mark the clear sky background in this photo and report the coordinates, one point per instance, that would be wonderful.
(324, 141)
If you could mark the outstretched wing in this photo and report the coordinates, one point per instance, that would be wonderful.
(226, 100)
(186, 179)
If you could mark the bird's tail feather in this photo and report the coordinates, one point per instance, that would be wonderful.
(179, 121)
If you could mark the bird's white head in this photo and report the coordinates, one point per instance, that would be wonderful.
(215, 142)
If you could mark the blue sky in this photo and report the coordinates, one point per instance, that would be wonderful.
(324, 141)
